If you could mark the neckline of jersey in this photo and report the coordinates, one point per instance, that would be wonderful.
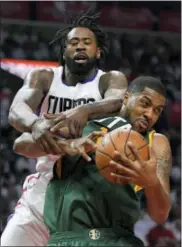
(85, 81)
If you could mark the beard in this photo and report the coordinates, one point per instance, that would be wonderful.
(80, 69)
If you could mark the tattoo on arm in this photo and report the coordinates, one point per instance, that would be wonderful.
(164, 163)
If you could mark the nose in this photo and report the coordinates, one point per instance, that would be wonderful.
(80, 46)
(149, 113)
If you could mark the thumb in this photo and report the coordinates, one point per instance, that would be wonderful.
(95, 134)
(55, 117)
(49, 115)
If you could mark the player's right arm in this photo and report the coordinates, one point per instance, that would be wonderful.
(26, 102)
(28, 99)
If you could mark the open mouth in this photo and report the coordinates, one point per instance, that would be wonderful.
(81, 58)
(143, 124)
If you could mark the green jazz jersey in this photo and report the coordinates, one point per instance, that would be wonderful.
(84, 199)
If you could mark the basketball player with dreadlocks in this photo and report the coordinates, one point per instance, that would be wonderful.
(77, 91)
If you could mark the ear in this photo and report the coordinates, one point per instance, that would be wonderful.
(125, 98)
(64, 53)
(98, 53)
(64, 57)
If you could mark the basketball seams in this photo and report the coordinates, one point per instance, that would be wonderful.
(106, 154)
(127, 141)
(143, 146)
(101, 169)
(115, 179)
(105, 165)
(111, 157)
(138, 149)
(112, 141)
(98, 150)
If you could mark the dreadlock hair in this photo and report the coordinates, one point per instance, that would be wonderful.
(139, 84)
(89, 21)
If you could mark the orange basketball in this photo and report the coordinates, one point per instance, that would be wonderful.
(117, 140)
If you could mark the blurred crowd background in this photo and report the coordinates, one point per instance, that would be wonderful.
(144, 39)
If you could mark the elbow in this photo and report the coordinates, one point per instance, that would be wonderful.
(160, 217)
(10, 118)
(15, 147)
(19, 148)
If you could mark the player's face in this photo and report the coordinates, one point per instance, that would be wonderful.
(143, 109)
(81, 50)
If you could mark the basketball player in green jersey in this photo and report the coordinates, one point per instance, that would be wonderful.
(84, 209)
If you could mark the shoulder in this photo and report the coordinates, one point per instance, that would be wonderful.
(112, 80)
(161, 138)
(41, 77)
(113, 74)
(113, 122)
(160, 142)
(41, 72)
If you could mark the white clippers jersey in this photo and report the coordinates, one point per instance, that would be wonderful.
(62, 97)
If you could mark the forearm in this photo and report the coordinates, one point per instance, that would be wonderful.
(26, 146)
(103, 108)
(158, 203)
(30, 151)
(21, 117)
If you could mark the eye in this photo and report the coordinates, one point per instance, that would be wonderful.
(87, 42)
(157, 111)
(144, 103)
(73, 42)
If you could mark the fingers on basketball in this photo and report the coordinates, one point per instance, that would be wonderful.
(117, 140)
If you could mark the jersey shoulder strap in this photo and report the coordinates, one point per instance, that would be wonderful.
(106, 125)
(149, 136)
(112, 123)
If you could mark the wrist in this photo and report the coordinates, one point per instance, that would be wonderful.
(154, 183)
(33, 124)
(87, 109)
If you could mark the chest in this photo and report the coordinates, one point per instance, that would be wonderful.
(64, 97)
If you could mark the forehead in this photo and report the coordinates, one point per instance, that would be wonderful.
(154, 96)
(80, 32)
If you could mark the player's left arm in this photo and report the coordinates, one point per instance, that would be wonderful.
(158, 196)
(112, 86)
